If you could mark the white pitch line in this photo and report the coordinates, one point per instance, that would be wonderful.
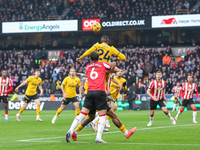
(30, 140)
(148, 144)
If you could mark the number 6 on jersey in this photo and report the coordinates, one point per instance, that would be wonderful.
(93, 74)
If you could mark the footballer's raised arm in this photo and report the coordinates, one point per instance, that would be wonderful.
(89, 51)
(118, 54)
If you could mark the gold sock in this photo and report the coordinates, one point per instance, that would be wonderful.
(21, 110)
(58, 111)
(122, 128)
(86, 117)
(38, 111)
(77, 111)
(108, 118)
(79, 128)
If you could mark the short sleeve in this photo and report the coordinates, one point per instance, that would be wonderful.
(195, 88)
(151, 85)
(40, 81)
(79, 82)
(106, 65)
(29, 79)
(64, 82)
(10, 83)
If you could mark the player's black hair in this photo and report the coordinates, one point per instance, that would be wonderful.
(105, 39)
(94, 56)
(158, 72)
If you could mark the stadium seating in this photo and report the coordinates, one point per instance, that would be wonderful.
(32, 10)
(141, 63)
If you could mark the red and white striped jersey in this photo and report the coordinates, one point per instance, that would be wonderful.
(5, 85)
(177, 91)
(157, 89)
(189, 90)
(109, 81)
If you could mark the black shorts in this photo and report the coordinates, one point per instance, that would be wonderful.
(93, 111)
(4, 99)
(153, 104)
(28, 98)
(187, 101)
(66, 101)
(96, 100)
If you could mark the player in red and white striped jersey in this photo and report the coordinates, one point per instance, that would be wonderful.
(187, 92)
(156, 91)
(177, 93)
(6, 87)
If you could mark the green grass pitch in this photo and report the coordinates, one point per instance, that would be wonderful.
(162, 135)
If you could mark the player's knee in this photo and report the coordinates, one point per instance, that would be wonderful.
(194, 109)
(77, 107)
(38, 104)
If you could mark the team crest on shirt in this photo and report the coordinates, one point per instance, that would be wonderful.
(159, 88)
(75, 80)
(190, 90)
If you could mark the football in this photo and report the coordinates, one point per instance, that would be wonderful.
(96, 27)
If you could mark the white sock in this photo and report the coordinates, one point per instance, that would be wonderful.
(169, 115)
(151, 118)
(174, 107)
(126, 133)
(96, 119)
(38, 117)
(76, 121)
(101, 125)
(6, 116)
(194, 115)
(177, 105)
(179, 112)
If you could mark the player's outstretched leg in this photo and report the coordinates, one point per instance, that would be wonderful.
(164, 109)
(6, 111)
(119, 124)
(76, 121)
(194, 112)
(20, 111)
(59, 110)
(174, 107)
(151, 118)
(101, 125)
(93, 123)
(179, 112)
(115, 120)
(37, 101)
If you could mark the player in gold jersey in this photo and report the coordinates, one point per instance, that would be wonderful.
(86, 87)
(31, 93)
(115, 92)
(68, 88)
(105, 53)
